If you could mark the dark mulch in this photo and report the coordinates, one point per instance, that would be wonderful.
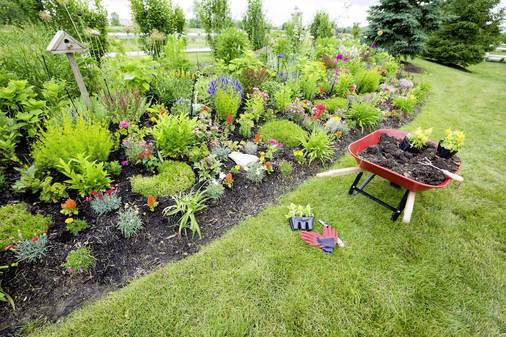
(411, 68)
(44, 292)
(388, 154)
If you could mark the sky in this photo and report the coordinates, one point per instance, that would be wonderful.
(345, 12)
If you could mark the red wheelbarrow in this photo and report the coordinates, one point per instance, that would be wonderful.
(412, 186)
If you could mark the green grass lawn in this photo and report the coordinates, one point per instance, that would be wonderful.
(441, 275)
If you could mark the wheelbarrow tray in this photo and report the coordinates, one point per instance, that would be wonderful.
(360, 145)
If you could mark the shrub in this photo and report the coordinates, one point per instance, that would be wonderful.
(367, 81)
(214, 190)
(221, 153)
(124, 104)
(227, 96)
(318, 146)
(286, 168)
(52, 192)
(284, 131)
(344, 85)
(113, 168)
(255, 173)
(32, 250)
(172, 86)
(65, 140)
(17, 223)
(364, 115)
(84, 175)
(105, 203)
(333, 104)
(246, 124)
(174, 135)
(188, 205)
(129, 222)
(405, 104)
(79, 259)
(174, 177)
(283, 98)
(231, 44)
(75, 226)
(250, 148)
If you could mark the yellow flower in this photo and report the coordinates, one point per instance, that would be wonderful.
(412, 97)
(238, 167)
(68, 221)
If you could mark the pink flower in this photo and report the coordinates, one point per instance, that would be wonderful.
(124, 124)
(339, 57)
(124, 163)
(9, 247)
(70, 270)
(275, 143)
(35, 239)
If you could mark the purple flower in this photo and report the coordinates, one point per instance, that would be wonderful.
(281, 55)
(124, 163)
(225, 83)
(275, 143)
(373, 45)
(339, 57)
(70, 270)
(124, 124)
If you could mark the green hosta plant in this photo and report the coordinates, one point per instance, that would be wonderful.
(84, 175)
(364, 115)
(419, 138)
(188, 205)
(174, 135)
(453, 140)
(318, 146)
(299, 211)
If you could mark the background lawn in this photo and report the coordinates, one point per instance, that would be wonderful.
(441, 275)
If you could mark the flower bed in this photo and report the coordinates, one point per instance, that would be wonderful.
(169, 159)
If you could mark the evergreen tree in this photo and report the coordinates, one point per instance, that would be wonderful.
(214, 16)
(471, 28)
(254, 24)
(396, 26)
(322, 26)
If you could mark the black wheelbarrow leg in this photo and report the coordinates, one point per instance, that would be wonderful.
(400, 207)
(355, 182)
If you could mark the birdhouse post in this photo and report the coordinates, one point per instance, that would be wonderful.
(63, 43)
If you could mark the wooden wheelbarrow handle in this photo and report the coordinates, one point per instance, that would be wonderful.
(339, 172)
(408, 210)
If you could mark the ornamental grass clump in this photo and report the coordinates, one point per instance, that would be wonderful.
(318, 146)
(227, 94)
(364, 115)
(188, 205)
(79, 260)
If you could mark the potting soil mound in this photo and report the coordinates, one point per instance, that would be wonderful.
(388, 154)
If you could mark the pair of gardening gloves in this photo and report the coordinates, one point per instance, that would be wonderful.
(326, 242)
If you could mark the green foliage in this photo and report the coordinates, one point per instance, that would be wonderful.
(84, 175)
(3, 181)
(246, 124)
(367, 81)
(227, 102)
(173, 85)
(55, 95)
(28, 180)
(322, 26)
(230, 44)
(299, 211)
(295, 30)
(286, 168)
(318, 146)
(19, 12)
(181, 106)
(76, 226)
(129, 221)
(333, 104)
(52, 192)
(174, 135)
(188, 205)
(115, 19)
(254, 24)
(283, 98)
(250, 148)
(471, 29)
(173, 177)
(198, 153)
(422, 91)
(356, 31)
(178, 20)
(136, 73)
(103, 203)
(326, 46)
(208, 168)
(284, 131)
(405, 104)
(79, 259)
(32, 250)
(344, 83)
(221, 153)
(151, 15)
(214, 16)
(453, 140)
(113, 168)
(312, 72)
(255, 106)
(174, 56)
(124, 104)
(255, 173)
(65, 139)
(215, 190)
(18, 224)
(9, 137)
(364, 115)
(420, 138)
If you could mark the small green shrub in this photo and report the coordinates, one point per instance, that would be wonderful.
(422, 91)
(52, 192)
(113, 168)
(284, 131)
(215, 190)
(188, 205)
(286, 168)
(129, 222)
(333, 104)
(227, 96)
(405, 104)
(283, 98)
(344, 84)
(173, 177)
(364, 115)
(84, 175)
(174, 135)
(105, 203)
(17, 224)
(231, 44)
(318, 146)
(65, 140)
(368, 81)
(32, 250)
(255, 173)
(79, 259)
(75, 226)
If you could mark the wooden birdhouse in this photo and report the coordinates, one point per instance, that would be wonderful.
(63, 43)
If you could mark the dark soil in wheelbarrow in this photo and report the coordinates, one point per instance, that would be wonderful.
(389, 155)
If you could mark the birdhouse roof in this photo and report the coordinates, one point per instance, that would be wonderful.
(63, 43)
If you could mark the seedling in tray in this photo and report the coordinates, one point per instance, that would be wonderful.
(300, 217)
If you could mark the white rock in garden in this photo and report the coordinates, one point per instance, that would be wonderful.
(243, 159)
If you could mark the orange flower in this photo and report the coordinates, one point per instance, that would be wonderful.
(70, 204)
(258, 138)
(229, 119)
(151, 202)
(229, 180)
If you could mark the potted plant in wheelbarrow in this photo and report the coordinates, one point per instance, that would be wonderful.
(300, 217)
(451, 144)
(416, 141)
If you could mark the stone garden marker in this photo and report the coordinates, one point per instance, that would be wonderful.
(63, 43)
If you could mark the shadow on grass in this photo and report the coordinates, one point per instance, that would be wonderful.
(449, 65)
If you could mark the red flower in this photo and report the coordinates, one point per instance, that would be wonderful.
(229, 119)
(205, 108)
(35, 239)
(109, 192)
(322, 90)
(9, 247)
